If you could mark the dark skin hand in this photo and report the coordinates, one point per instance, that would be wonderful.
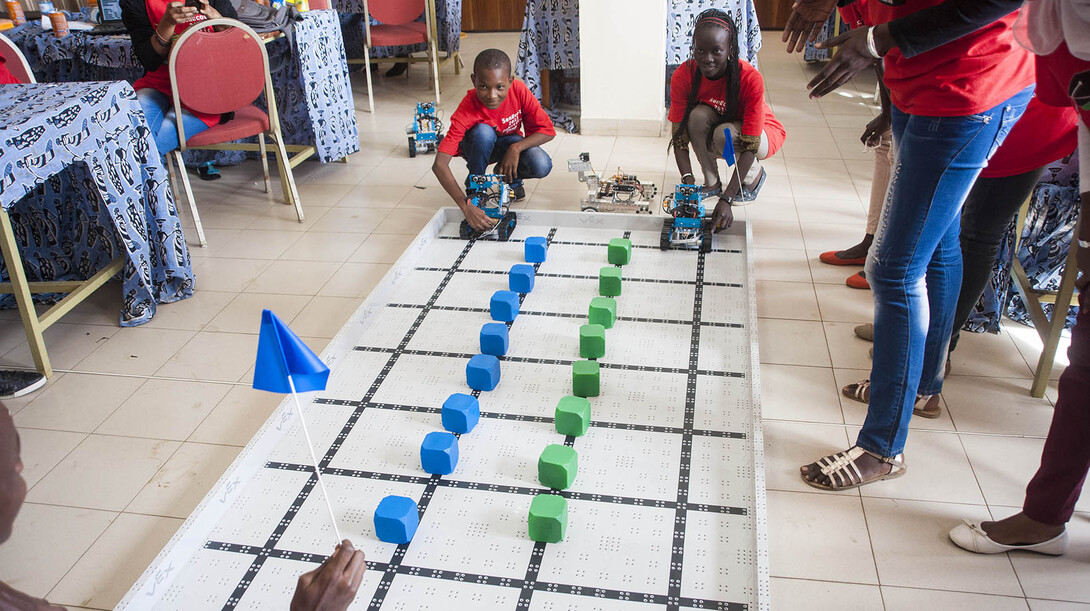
(178, 14)
(872, 135)
(851, 58)
(805, 21)
(333, 585)
(723, 217)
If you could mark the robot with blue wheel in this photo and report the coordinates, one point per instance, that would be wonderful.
(426, 130)
(686, 227)
(490, 193)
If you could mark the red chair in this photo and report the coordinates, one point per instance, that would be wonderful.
(14, 61)
(398, 26)
(221, 72)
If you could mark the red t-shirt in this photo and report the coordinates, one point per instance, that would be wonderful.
(1043, 135)
(966, 76)
(756, 117)
(6, 77)
(159, 79)
(855, 14)
(519, 109)
(1055, 74)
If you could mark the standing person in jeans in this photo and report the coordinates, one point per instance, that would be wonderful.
(1059, 32)
(958, 82)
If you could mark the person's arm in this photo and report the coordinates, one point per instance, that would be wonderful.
(151, 44)
(476, 217)
(509, 165)
(937, 25)
(680, 83)
(805, 21)
(537, 124)
(878, 125)
(333, 585)
(753, 127)
(681, 157)
(13, 599)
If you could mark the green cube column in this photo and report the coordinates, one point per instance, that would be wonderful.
(603, 311)
(619, 251)
(572, 416)
(585, 382)
(557, 466)
(609, 281)
(548, 518)
(592, 341)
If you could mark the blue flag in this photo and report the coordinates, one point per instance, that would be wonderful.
(728, 147)
(280, 353)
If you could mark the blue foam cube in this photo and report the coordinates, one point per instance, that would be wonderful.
(396, 519)
(521, 279)
(494, 339)
(439, 453)
(535, 249)
(483, 372)
(460, 413)
(504, 306)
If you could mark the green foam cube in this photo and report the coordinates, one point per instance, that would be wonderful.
(572, 416)
(619, 251)
(603, 311)
(557, 466)
(548, 518)
(592, 341)
(585, 382)
(609, 281)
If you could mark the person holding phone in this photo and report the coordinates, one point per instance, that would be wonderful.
(154, 25)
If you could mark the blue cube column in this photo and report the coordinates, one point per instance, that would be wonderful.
(535, 249)
(439, 453)
(483, 372)
(504, 306)
(521, 278)
(460, 413)
(494, 339)
(396, 519)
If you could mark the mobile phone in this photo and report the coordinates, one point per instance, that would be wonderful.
(194, 3)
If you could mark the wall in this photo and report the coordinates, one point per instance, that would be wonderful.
(622, 46)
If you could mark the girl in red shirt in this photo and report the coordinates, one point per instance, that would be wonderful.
(713, 92)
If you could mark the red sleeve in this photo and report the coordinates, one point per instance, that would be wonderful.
(534, 119)
(680, 84)
(753, 101)
(460, 122)
(6, 77)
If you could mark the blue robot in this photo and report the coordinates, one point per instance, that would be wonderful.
(426, 130)
(686, 227)
(490, 193)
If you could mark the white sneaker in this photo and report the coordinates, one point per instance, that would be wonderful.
(970, 536)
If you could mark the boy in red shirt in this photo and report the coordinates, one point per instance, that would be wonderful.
(487, 128)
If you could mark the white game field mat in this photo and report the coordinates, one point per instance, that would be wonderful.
(668, 506)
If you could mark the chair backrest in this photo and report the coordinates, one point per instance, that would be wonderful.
(14, 61)
(396, 12)
(319, 5)
(218, 72)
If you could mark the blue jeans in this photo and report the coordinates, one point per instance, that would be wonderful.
(914, 265)
(159, 113)
(481, 146)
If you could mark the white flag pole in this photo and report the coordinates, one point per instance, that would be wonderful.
(314, 457)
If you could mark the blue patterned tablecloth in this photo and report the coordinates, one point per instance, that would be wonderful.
(82, 182)
(448, 29)
(313, 94)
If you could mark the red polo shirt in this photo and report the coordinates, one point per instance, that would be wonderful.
(520, 109)
(1043, 135)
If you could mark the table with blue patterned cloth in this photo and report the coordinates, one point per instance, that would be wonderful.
(448, 30)
(313, 94)
(82, 183)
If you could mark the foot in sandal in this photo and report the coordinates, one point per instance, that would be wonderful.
(925, 406)
(852, 468)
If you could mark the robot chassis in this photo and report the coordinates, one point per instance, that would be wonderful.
(618, 193)
(426, 130)
(490, 193)
(686, 226)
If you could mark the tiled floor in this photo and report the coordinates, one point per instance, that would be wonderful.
(139, 423)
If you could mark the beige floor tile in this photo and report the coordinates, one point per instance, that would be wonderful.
(776, 234)
(783, 265)
(354, 280)
(103, 307)
(135, 351)
(164, 409)
(792, 342)
(984, 354)
(226, 274)
(824, 595)
(788, 300)
(184, 480)
(282, 217)
(556, 199)
(329, 173)
(243, 314)
(938, 470)
(429, 198)
(381, 248)
(212, 356)
(769, 208)
(261, 244)
(911, 599)
(913, 549)
(103, 575)
(1036, 604)
(231, 215)
(817, 168)
(17, 404)
(831, 236)
(375, 196)
(66, 344)
(823, 273)
(996, 405)
(320, 195)
(1062, 578)
(828, 200)
(1004, 465)
(805, 530)
(847, 350)
(1029, 344)
(807, 394)
(237, 417)
(190, 314)
(321, 246)
(294, 277)
(324, 316)
(855, 412)
(215, 240)
(77, 402)
(46, 541)
(103, 472)
(405, 221)
(41, 450)
(351, 220)
(844, 304)
(790, 445)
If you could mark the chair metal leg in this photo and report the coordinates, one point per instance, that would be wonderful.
(23, 298)
(367, 71)
(433, 55)
(176, 155)
(264, 160)
(287, 179)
